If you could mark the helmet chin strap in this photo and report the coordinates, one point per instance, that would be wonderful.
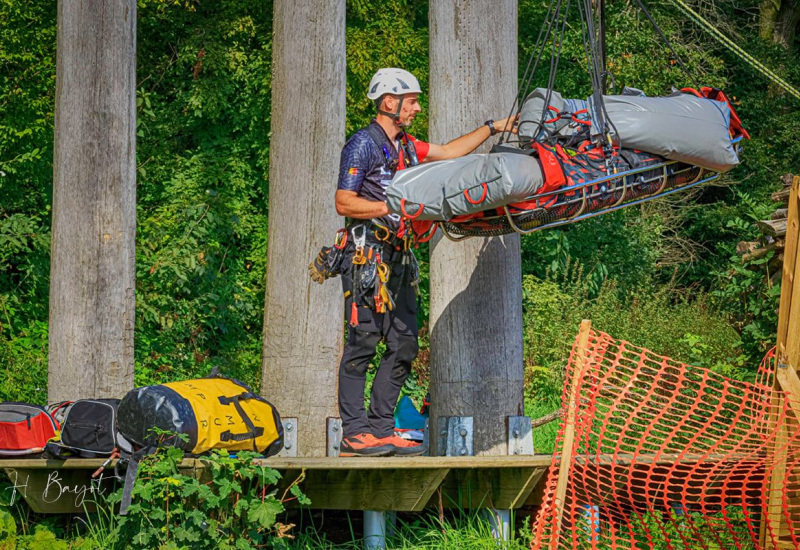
(396, 115)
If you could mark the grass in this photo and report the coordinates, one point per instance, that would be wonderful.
(450, 530)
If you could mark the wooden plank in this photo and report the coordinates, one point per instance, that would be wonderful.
(390, 463)
(42, 464)
(409, 463)
(434, 482)
(775, 228)
(569, 429)
(774, 502)
(320, 463)
(398, 490)
(525, 492)
(498, 489)
(789, 268)
(788, 346)
(789, 354)
(790, 383)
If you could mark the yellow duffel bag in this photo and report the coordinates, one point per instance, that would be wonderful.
(214, 412)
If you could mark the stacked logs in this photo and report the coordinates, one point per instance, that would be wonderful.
(773, 230)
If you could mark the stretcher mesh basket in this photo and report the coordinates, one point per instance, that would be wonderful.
(577, 202)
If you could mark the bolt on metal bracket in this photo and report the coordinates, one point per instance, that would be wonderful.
(520, 435)
(289, 437)
(458, 431)
(334, 436)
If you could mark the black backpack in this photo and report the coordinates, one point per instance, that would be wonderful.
(90, 431)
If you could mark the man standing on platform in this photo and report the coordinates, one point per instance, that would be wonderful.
(379, 270)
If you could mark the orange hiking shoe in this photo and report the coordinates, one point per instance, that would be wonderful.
(404, 447)
(366, 445)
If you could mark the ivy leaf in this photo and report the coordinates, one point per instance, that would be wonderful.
(241, 505)
(264, 513)
(270, 476)
(187, 535)
(301, 497)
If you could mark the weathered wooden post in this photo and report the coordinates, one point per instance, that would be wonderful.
(476, 286)
(94, 201)
(476, 294)
(303, 325)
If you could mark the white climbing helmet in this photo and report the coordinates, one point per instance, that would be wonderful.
(392, 81)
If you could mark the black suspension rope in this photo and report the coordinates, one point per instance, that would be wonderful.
(658, 30)
(552, 34)
(533, 59)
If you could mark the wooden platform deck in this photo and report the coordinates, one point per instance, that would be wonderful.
(393, 483)
(403, 484)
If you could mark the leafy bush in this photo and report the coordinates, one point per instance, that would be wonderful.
(234, 505)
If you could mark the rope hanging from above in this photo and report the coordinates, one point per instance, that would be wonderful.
(585, 157)
(735, 49)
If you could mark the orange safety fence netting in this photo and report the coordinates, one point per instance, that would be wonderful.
(669, 455)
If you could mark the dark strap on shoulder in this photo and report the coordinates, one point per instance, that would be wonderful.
(409, 150)
(377, 135)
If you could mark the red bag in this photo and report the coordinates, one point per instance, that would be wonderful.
(24, 428)
(716, 94)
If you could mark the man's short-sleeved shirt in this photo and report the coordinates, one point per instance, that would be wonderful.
(368, 168)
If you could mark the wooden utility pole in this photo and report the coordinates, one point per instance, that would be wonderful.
(787, 384)
(476, 296)
(302, 320)
(94, 201)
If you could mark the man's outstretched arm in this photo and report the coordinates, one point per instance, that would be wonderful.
(468, 142)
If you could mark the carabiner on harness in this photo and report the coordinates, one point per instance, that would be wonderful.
(359, 240)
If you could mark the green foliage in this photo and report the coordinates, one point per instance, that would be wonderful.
(654, 319)
(661, 319)
(747, 288)
(27, 89)
(692, 530)
(392, 33)
(235, 506)
(203, 102)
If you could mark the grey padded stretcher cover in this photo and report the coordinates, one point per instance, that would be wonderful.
(531, 114)
(441, 186)
(679, 127)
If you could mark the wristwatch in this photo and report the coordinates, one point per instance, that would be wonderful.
(490, 124)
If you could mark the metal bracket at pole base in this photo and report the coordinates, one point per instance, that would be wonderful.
(334, 436)
(289, 437)
(455, 436)
(520, 435)
(426, 437)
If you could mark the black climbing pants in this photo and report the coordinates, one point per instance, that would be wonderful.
(398, 328)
